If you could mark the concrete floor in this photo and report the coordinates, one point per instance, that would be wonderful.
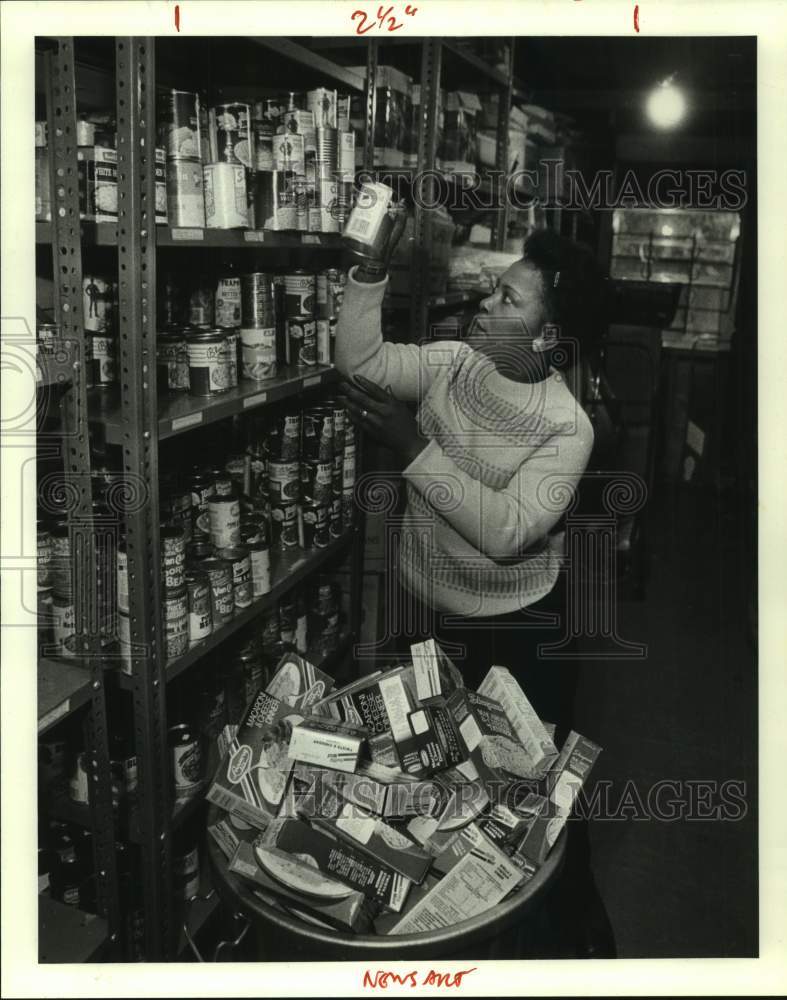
(687, 712)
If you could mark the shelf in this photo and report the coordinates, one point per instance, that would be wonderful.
(477, 63)
(104, 234)
(180, 412)
(312, 60)
(446, 300)
(67, 934)
(62, 689)
(288, 570)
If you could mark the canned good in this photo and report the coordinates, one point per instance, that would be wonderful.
(323, 334)
(348, 508)
(199, 604)
(197, 551)
(221, 588)
(316, 479)
(339, 424)
(124, 641)
(370, 223)
(336, 525)
(237, 468)
(251, 530)
(61, 559)
(79, 782)
(185, 193)
(326, 596)
(44, 558)
(258, 348)
(284, 438)
(316, 525)
(263, 133)
(322, 104)
(253, 673)
(337, 473)
(201, 487)
(318, 428)
(98, 301)
(172, 362)
(274, 200)
(63, 623)
(223, 484)
(346, 165)
(178, 115)
(224, 514)
(283, 482)
(301, 342)
(185, 872)
(226, 200)
(173, 556)
(284, 526)
(229, 129)
(232, 343)
(46, 336)
(186, 756)
(260, 557)
(228, 302)
(209, 371)
(257, 309)
(289, 153)
(201, 306)
(239, 559)
(300, 289)
(348, 468)
(121, 576)
(175, 608)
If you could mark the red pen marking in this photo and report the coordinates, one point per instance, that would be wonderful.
(636, 18)
(410, 10)
(177, 16)
(381, 979)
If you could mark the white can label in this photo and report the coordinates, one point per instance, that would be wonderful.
(368, 213)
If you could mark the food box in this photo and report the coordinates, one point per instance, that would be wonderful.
(490, 739)
(298, 683)
(326, 743)
(97, 178)
(500, 686)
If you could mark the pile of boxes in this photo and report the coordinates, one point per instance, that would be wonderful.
(400, 803)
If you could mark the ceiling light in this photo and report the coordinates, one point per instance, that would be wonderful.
(666, 105)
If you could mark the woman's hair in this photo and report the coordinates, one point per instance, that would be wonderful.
(574, 288)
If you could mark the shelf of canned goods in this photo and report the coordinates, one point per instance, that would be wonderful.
(214, 525)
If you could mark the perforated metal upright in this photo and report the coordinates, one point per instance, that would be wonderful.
(135, 90)
(500, 224)
(431, 58)
(75, 449)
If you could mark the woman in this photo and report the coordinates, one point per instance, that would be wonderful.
(490, 462)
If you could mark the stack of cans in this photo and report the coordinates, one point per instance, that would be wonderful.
(230, 144)
(180, 133)
(300, 293)
(258, 330)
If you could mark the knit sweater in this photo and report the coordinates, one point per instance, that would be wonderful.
(502, 459)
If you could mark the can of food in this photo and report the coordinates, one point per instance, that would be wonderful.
(253, 673)
(209, 370)
(289, 153)
(318, 429)
(284, 526)
(224, 514)
(46, 336)
(348, 468)
(258, 349)
(62, 623)
(301, 342)
(260, 558)
(237, 468)
(60, 571)
(323, 335)
(98, 301)
(201, 487)
(283, 482)
(79, 782)
(274, 200)
(300, 289)
(228, 302)
(232, 338)
(175, 612)
(239, 559)
(251, 529)
(186, 756)
(326, 595)
(201, 305)
(263, 134)
(348, 508)
(301, 205)
(121, 576)
(44, 558)
(284, 438)
(370, 223)
(229, 131)
(185, 871)
(222, 594)
(175, 509)
(124, 641)
(316, 521)
(185, 194)
(336, 525)
(199, 605)
(226, 201)
(256, 291)
(172, 362)
(173, 557)
(322, 104)
(346, 155)
(339, 424)
(178, 115)
(197, 551)
(316, 482)
(337, 473)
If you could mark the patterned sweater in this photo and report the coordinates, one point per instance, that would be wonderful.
(484, 495)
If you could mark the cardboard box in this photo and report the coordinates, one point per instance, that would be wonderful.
(327, 744)
(479, 881)
(435, 674)
(310, 787)
(343, 862)
(97, 178)
(507, 827)
(362, 704)
(387, 919)
(252, 777)
(298, 683)
(326, 898)
(500, 686)
(229, 831)
(490, 740)
(381, 841)
(417, 746)
(415, 798)
(471, 838)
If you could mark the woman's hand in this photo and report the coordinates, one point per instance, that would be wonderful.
(378, 412)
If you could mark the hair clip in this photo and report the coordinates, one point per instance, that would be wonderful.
(556, 279)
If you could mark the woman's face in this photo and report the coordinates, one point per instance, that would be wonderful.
(512, 316)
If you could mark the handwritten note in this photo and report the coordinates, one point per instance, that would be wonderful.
(386, 19)
(381, 979)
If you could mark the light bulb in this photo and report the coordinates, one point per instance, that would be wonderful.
(666, 106)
